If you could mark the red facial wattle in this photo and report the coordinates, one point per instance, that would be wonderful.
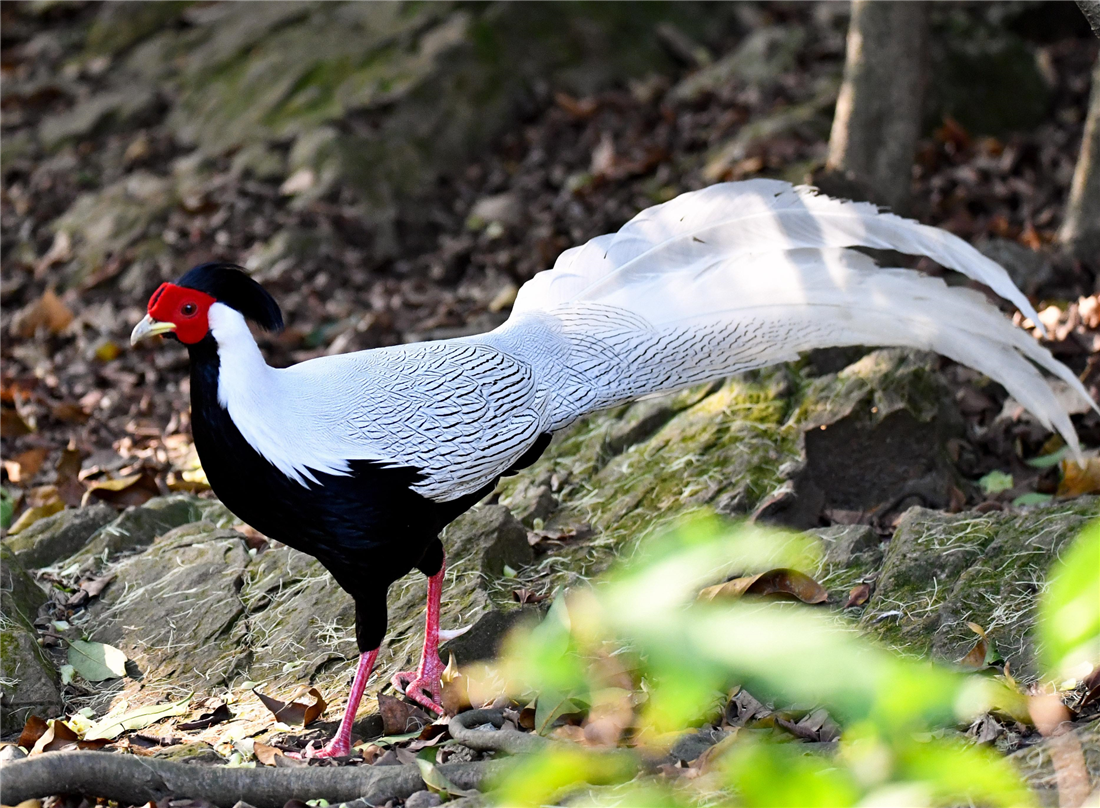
(187, 308)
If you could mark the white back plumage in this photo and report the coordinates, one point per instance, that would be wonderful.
(733, 277)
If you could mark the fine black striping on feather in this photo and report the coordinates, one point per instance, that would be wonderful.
(529, 457)
(368, 528)
(231, 285)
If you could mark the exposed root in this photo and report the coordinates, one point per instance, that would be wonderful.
(136, 780)
(509, 741)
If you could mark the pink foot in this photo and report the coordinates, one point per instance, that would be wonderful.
(424, 685)
(337, 747)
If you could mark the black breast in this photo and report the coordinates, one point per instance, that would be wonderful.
(368, 528)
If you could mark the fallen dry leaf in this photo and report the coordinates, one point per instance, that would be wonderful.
(399, 717)
(1089, 309)
(456, 695)
(780, 584)
(14, 423)
(133, 489)
(612, 712)
(218, 715)
(35, 512)
(371, 752)
(22, 468)
(1052, 719)
(524, 596)
(89, 588)
(858, 596)
(578, 109)
(975, 657)
(58, 736)
(1080, 480)
(48, 311)
(266, 754)
(33, 729)
(69, 487)
(295, 712)
(69, 412)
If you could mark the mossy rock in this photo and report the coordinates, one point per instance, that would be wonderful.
(627, 472)
(56, 537)
(107, 222)
(176, 610)
(136, 528)
(943, 570)
(28, 681)
(20, 596)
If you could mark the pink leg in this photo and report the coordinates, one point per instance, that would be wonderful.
(423, 685)
(340, 745)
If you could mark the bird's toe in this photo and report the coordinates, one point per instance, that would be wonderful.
(425, 690)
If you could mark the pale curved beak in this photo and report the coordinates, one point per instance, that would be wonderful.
(149, 327)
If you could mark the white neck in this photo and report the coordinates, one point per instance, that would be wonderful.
(243, 372)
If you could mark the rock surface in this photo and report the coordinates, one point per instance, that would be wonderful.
(28, 680)
(59, 536)
(942, 571)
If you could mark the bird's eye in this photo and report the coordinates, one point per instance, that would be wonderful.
(189, 309)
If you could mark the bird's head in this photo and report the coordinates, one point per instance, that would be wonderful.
(183, 309)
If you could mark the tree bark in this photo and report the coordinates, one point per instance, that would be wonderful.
(878, 111)
(1080, 233)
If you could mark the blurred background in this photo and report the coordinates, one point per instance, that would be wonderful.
(393, 172)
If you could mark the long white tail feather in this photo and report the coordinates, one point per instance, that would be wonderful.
(745, 275)
(744, 218)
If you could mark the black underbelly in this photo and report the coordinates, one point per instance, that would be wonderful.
(368, 527)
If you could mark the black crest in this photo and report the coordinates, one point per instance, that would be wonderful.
(231, 285)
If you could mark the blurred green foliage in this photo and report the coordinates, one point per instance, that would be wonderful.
(647, 661)
(1069, 614)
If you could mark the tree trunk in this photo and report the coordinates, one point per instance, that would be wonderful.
(1080, 233)
(878, 111)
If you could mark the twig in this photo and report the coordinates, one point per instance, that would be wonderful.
(136, 780)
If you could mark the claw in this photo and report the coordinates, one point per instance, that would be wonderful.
(337, 747)
(423, 686)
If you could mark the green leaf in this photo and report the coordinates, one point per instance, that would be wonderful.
(113, 726)
(435, 781)
(1031, 498)
(958, 774)
(551, 706)
(1069, 621)
(96, 661)
(995, 482)
(767, 774)
(536, 780)
(1046, 461)
(7, 508)
(390, 740)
